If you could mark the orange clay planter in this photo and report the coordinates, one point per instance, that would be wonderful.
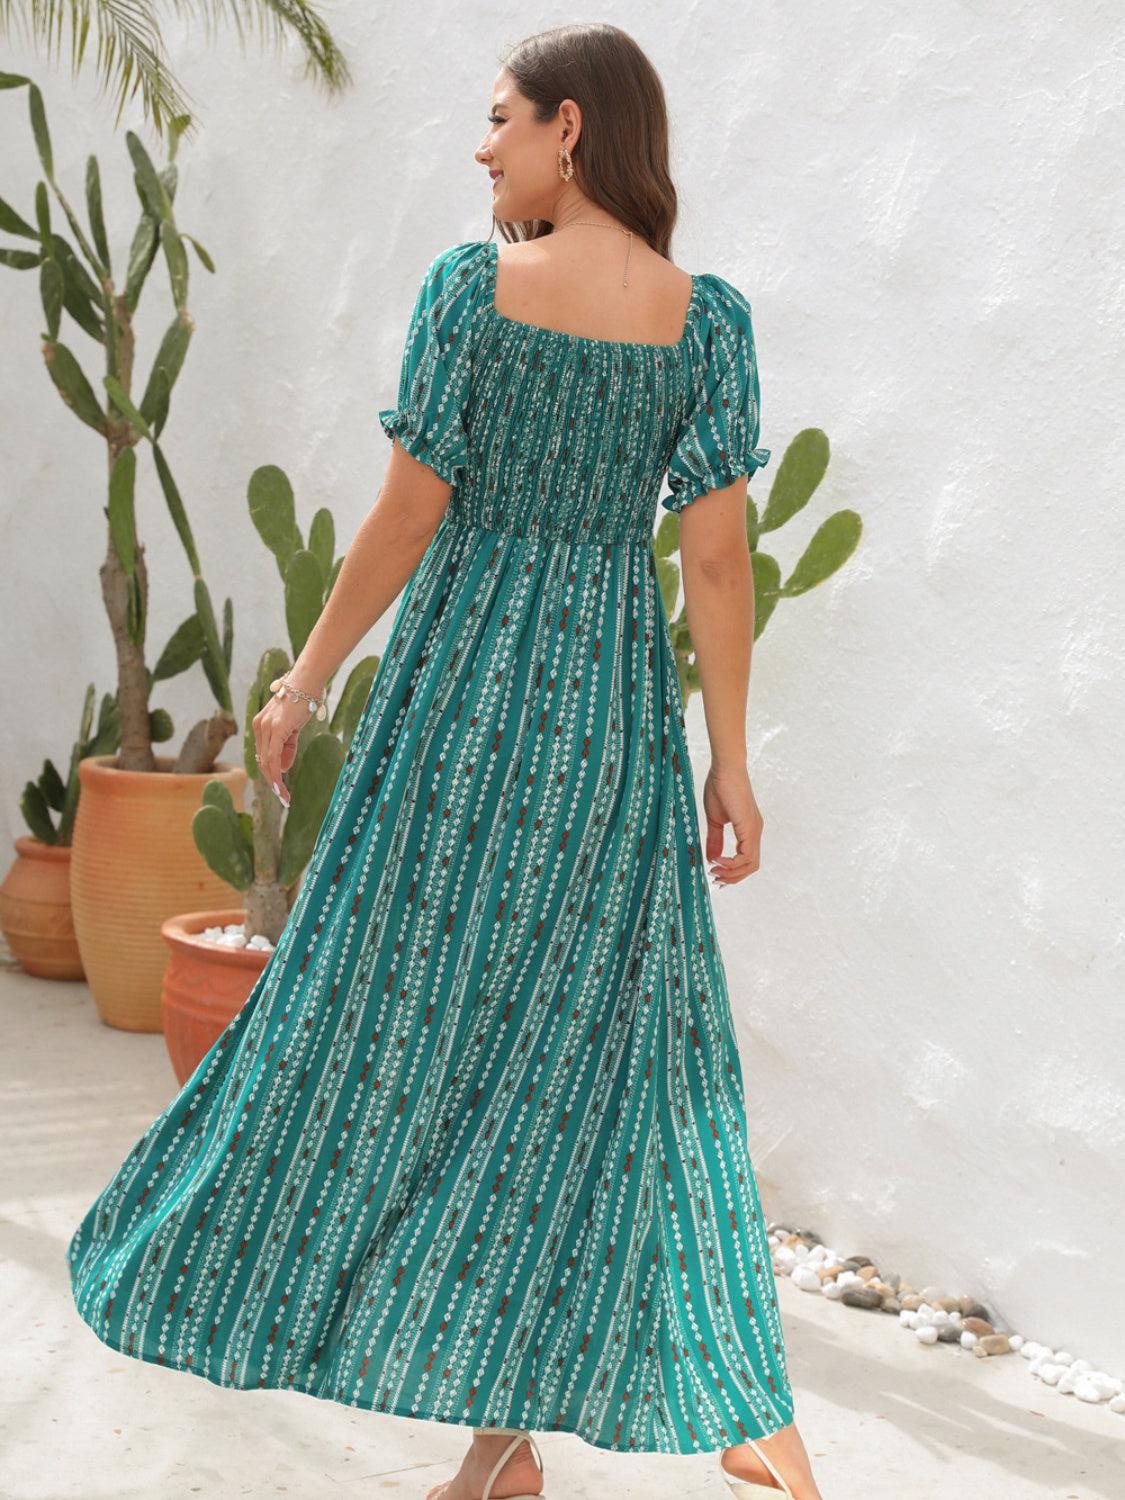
(206, 984)
(134, 863)
(35, 910)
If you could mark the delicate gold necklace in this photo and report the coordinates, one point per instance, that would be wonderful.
(595, 224)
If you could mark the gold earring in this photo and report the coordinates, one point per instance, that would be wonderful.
(569, 171)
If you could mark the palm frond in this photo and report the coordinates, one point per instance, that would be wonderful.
(278, 20)
(129, 50)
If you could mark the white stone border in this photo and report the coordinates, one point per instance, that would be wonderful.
(931, 1314)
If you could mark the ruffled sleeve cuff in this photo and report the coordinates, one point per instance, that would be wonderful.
(442, 446)
(692, 474)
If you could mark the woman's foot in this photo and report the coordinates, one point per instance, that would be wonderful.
(521, 1475)
(786, 1452)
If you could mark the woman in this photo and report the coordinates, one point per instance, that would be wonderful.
(474, 1148)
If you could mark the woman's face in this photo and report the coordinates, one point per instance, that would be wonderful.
(522, 155)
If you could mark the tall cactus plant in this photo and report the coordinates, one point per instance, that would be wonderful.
(802, 467)
(263, 853)
(77, 279)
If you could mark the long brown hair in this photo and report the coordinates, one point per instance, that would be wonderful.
(621, 156)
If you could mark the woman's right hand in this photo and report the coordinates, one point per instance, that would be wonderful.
(276, 727)
(729, 798)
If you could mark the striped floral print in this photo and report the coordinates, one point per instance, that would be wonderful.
(474, 1149)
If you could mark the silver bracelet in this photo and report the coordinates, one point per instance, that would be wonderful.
(281, 685)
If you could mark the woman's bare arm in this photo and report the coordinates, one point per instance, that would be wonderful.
(384, 552)
(719, 599)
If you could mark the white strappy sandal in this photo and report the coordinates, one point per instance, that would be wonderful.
(518, 1435)
(744, 1489)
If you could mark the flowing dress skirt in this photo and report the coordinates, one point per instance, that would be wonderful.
(474, 1149)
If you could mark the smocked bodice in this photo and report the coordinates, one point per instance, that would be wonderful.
(547, 433)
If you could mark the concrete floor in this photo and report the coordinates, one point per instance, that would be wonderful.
(883, 1415)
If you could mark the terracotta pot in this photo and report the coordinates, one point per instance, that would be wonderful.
(35, 910)
(134, 864)
(205, 985)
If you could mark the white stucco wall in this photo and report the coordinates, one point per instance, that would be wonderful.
(926, 213)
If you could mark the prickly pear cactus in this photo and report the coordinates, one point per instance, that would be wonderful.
(264, 853)
(802, 467)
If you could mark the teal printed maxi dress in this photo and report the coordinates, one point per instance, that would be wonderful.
(474, 1149)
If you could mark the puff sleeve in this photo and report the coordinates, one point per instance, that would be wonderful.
(430, 416)
(718, 439)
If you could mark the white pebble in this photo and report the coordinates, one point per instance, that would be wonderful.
(968, 1339)
(1063, 1358)
(939, 1317)
(1117, 1404)
(1106, 1384)
(1049, 1374)
(906, 1317)
(833, 1291)
(1067, 1380)
(927, 1334)
(1086, 1390)
(806, 1278)
(1016, 1340)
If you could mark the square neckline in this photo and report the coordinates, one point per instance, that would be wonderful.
(582, 338)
